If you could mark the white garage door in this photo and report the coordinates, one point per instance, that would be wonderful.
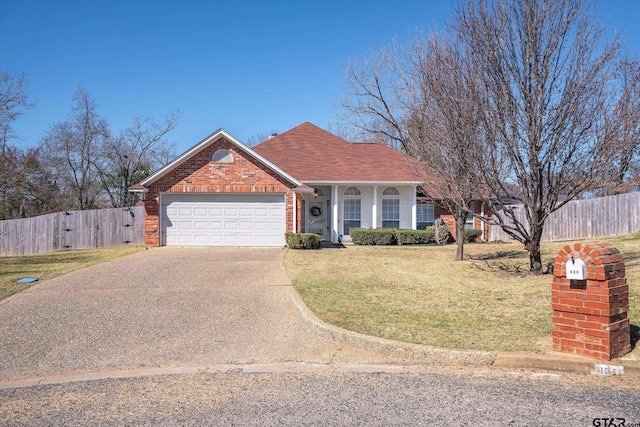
(223, 219)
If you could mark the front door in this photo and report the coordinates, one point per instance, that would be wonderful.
(316, 218)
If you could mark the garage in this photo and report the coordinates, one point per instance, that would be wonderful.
(206, 219)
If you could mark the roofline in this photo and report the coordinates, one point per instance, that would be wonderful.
(364, 182)
(138, 190)
(205, 143)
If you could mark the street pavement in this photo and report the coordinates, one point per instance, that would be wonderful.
(478, 398)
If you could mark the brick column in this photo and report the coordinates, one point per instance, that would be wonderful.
(590, 316)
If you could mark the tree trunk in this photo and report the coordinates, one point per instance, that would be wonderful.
(535, 257)
(460, 220)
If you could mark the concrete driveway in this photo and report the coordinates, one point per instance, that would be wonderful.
(160, 308)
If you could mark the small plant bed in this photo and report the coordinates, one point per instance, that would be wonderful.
(419, 294)
(48, 266)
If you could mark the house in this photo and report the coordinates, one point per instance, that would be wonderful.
(224, 193)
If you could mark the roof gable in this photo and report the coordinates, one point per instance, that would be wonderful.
(220, 133)
(312, 154)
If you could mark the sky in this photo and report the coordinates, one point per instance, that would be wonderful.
(249, 67)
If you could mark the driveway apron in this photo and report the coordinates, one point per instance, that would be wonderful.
(163, 307)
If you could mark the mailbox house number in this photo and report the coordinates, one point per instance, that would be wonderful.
(576, 269)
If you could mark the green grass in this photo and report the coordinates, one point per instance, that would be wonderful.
(419, 294)
(48, 266)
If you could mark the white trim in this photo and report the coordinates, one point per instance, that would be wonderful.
(482, 223)
(334, 218)
(205, 143)
(414, 209)
(295, 212)
(374, 208)
(352, 183)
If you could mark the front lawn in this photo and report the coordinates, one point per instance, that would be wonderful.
(419, 294)
(48, 266)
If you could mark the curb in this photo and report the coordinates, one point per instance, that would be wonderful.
(563, 363)
(403, 352)
(436, 356)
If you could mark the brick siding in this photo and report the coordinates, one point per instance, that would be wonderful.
(199, 174)
(590, 316)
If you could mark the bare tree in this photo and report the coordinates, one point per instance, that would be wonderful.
(622, 132)
(421, 98)
(443, 126)
(259, 137)
(13, 101)
(380, 94)
(133, 155)
(73, 148)
(545, 66)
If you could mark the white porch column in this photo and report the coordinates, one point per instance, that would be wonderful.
(295, 210)
(334, 216)
(374, 208)
(414, 208)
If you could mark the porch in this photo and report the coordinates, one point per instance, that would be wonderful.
(331, 210)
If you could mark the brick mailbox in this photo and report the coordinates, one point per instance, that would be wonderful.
(590, 301)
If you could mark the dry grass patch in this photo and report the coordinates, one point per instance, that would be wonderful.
(48, 266)
(420, 295)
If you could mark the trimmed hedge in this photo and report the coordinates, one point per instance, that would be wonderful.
(379, 236)
(303, 240)
(388, 236)
(472, 235)
(415, 237)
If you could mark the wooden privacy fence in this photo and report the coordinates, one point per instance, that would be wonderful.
(72, 230)
(585, 219)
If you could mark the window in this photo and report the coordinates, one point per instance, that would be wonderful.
(351, 214)
(222, 156)
(351, 209)
(390, 213)
(352, 191)
(390, 208)
(468, 224)
(424, 215)
(317, 192)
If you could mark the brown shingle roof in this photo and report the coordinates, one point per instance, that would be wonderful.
(313, 154)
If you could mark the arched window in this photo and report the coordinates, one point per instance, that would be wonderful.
(390, 208)
(352, 191)
(351, 209)
(222, 156)
(317, 192)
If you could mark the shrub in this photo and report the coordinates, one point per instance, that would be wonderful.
(388, 236)
(472, 235)
(378, 236)
(414, 237)
(443, 231)
(303, 240)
